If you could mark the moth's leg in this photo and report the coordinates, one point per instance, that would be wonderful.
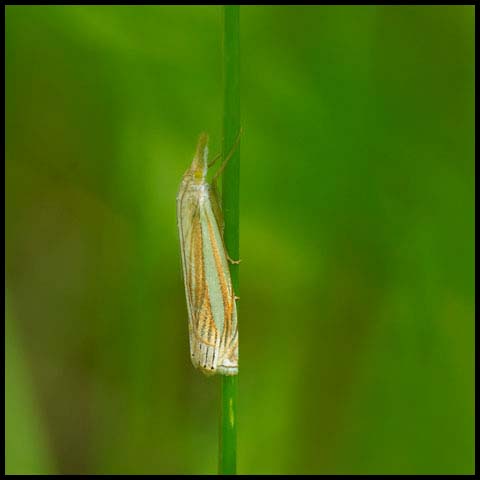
(218, 155)
(235, 262)
(214, 159)
(228, 157)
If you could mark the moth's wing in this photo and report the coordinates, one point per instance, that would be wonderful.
(204, 335)
(187, 213)
(209, 292)
(219, 284)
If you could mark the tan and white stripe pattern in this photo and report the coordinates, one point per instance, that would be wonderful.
(212, 312)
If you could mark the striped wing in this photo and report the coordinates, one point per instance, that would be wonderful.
(208, 286)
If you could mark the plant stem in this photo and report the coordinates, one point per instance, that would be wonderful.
(230, 205)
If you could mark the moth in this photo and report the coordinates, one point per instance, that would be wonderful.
(212, 312)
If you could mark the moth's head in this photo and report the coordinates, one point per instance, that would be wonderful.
(198, 169)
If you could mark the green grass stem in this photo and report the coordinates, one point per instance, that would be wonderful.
(230, 204)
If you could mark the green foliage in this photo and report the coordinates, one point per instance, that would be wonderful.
(26, 443)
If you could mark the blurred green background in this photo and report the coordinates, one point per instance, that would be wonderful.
(357, 239)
